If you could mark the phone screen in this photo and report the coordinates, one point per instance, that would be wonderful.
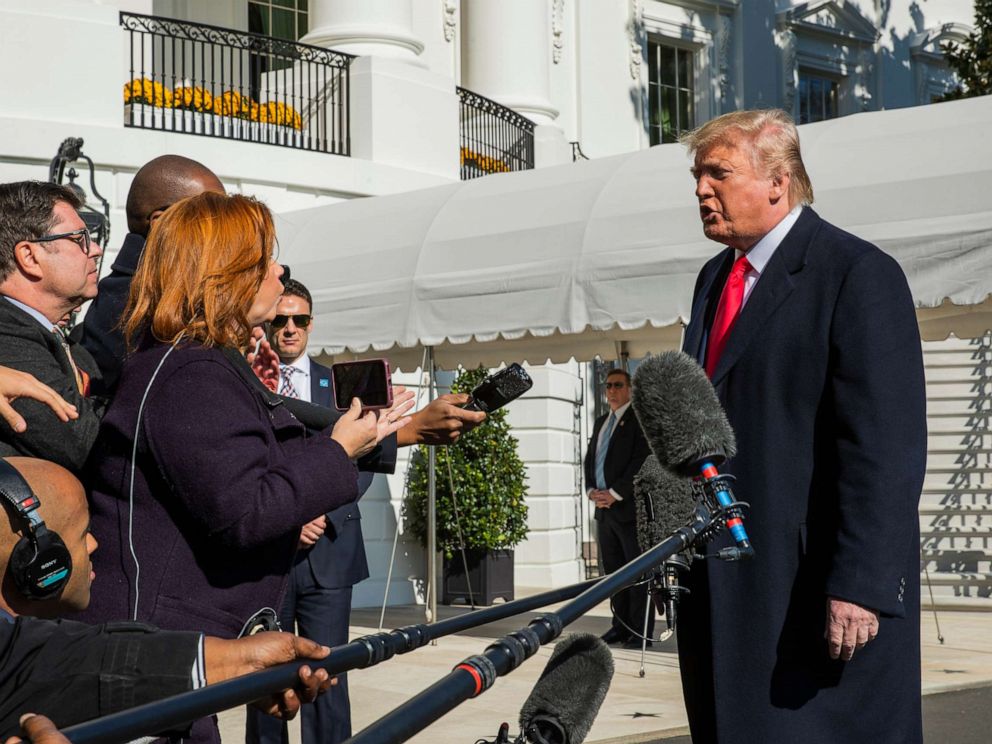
(366, 380)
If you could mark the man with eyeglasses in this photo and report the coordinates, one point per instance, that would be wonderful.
(48, 267)
(617, 449)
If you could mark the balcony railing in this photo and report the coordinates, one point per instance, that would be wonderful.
(199, 79)
(494, 139)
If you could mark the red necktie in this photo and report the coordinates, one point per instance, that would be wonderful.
(726, 313)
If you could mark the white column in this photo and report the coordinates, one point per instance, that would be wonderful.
(401, 113)
(506, 54)
(382, 28)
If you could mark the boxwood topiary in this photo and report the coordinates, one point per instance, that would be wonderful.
(489, 479)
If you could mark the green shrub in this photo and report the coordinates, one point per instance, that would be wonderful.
(489, 480)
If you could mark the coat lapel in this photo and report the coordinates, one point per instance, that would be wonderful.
(775, 285)
(695, 333)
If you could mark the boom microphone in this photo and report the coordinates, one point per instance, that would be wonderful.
(680, 414)
(687, 429)
(565, 700)
(663, 502)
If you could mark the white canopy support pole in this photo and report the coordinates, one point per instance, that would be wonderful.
(431, 507)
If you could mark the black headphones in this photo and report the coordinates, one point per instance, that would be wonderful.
(40, 563)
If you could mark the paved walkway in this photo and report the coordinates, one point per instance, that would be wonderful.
(637, 709)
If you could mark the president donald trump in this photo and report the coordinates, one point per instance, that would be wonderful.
(809, 335)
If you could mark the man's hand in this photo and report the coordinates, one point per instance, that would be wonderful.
(225, 659)
(15, 384)
(849, 627)
(442, 421)
(605, 499)
(312, 532)
(602, 498)
(263, 359)
(39, 730)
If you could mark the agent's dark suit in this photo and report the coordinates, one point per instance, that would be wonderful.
(616, 526)
(99, 333)
(319, 596)
(27, 346)
(822, 380)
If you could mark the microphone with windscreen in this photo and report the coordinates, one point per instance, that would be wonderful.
(688, 431)
(565, 700)
(663, 503)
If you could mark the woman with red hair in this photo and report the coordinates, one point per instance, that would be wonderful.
(201, 479)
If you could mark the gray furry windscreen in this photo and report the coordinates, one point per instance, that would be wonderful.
(679, 411)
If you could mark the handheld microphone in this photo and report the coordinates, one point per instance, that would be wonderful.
(565, 700)
(688, 431)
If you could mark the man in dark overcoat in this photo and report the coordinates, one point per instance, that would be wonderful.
(616, 451)
(810, 337)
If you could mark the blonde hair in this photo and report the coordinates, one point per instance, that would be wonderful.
(772, 141)
(203, 264)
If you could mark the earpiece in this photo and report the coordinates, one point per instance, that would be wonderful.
(40, 563)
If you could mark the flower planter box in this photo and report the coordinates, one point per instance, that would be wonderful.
(149, 117)
(490, 575)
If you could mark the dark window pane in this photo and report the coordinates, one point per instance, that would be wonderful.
(654, 105)
(654, 57)
(669, 131)
(816, 101)
(655, 133)
(283, 24)
(685, 113)
(831, 111)
(258, 19)
(285, 3)
(685, 69)
(301, 26)
(302, 5)
(667, 76)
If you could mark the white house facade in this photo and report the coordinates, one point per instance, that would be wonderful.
(309, 102)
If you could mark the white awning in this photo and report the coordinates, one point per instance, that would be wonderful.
(570, 261)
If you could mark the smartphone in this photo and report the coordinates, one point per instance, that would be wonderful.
(368, 380)
(499, 389)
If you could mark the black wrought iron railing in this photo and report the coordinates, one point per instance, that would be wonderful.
(218, 82)
(494, 139)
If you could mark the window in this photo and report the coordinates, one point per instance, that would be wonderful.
(670, 92)
(284, 19)
(817, 98)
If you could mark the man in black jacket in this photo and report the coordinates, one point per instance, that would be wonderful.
(157, 185)
(73, 672)
(617, 449)
(48, 267)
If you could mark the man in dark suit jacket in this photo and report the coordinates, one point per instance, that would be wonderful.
(48, 267)
(157, 185)
(610, 485)
(332, 551)
(810, 337)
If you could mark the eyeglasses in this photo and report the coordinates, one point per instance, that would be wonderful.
(617, 385)
(300, 321)
(80, 237)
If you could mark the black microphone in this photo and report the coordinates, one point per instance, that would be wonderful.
(663, 502)
(565, 700)
(687, 429)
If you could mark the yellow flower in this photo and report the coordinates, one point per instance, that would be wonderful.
(231, 103)
(276, 112)
(193, 98)
(482, 162)
(144, 90)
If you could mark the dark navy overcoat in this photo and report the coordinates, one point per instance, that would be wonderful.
(822, 379)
